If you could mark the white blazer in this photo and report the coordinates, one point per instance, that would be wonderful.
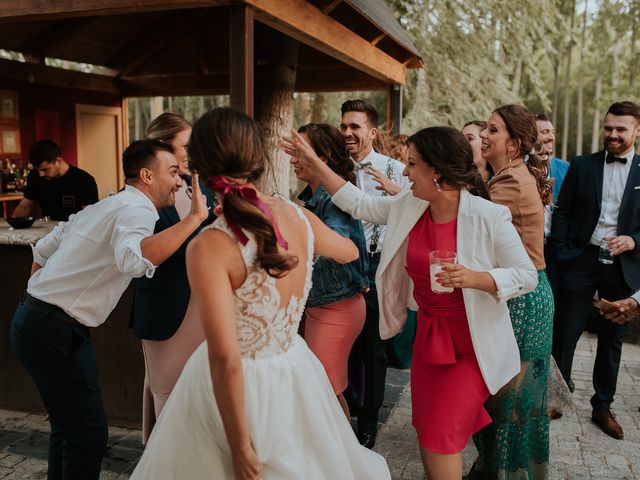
(486, 241)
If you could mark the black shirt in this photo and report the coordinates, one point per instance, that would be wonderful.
(62, 196)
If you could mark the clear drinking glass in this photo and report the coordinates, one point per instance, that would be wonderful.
(437, 259)
(605, 255)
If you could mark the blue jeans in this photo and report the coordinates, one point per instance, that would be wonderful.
(60, 360)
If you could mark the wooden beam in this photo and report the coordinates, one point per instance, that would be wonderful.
(209, 32)
(333, 80)
(64, 31)
(45, 75)
(377, 40)
(29, 10)
(307, 24)
(241, 58)
(331, 6)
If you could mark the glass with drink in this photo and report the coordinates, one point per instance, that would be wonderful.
(605, 254)
(437, 259)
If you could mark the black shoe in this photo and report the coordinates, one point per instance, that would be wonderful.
(571, 386)
(367, 440)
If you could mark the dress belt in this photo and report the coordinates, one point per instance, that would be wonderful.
(48, 309)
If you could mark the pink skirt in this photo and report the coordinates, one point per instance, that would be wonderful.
(330, 331)
(163, 362)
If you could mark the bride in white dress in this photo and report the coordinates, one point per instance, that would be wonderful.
(253, 402)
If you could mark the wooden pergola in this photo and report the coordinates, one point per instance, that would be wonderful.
(166, 48)
(197, 47)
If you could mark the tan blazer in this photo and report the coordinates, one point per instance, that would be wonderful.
(486, 241)
(514, 187)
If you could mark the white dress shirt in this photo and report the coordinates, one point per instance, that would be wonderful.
(365, 182)
(89, 261)
(636, 297)
(614, 181)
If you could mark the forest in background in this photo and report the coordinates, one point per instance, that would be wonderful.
(569, 59)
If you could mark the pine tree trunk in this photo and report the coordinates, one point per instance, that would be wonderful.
(305, 108)
(580, 113)
(275, 78)
(517, 76)
(635, 13)
(556, 90)
(156, 106)
(137, 119)
(595, 131)
(615, 69)
(567, 88)
(317, 111)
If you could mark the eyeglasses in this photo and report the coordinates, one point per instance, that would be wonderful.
(189, 192)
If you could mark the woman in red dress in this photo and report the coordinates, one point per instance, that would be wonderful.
(465, 348)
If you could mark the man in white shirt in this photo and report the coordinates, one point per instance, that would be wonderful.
(599, 205)
(376, 174)
(79, 272)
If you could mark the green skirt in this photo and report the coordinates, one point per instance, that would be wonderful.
(516, 444)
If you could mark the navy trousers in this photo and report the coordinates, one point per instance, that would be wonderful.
(60, 360)
(579, 281)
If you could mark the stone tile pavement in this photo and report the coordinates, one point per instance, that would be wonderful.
(579, 450)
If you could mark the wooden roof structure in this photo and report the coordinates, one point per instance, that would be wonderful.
(193, 47)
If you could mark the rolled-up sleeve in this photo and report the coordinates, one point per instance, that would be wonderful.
(132, 227)
(516, 274)
(47, 245)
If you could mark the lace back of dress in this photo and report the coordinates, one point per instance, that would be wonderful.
(265, 326)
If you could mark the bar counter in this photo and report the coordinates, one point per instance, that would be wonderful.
(118, 352)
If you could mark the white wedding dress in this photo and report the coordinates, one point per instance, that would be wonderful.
(297, 427)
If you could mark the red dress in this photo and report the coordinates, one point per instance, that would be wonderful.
(447, 388)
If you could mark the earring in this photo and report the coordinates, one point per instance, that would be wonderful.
(435, 180)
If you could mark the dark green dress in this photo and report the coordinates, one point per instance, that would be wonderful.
(516, 444)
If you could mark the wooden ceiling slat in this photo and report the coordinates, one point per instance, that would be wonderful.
(150, 42)
(61, 32)
(45, 75)
(29, 10)
(306, 23)
(331, 6)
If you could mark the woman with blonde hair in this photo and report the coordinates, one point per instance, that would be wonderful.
(160, 317)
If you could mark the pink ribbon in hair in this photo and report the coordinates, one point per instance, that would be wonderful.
(225, 187)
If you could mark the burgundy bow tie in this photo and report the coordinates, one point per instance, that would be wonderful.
(613, 158)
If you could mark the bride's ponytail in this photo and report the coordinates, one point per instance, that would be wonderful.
(226, 142)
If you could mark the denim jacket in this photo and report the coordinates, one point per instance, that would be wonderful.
(333, 281)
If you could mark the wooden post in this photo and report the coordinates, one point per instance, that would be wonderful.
(394, 108)
(241, 58)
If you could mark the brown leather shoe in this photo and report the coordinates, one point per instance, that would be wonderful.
(607, 423)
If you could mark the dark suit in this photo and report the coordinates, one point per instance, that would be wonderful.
(160, 302)
(581, 275)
